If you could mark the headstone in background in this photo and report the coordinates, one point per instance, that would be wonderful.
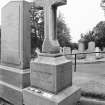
(37, 50)
(98, 55)
(103, 52)
(15, 51)
(61, 50)
(67, 52)
(81, 46)
(91, 48)
(81, 49)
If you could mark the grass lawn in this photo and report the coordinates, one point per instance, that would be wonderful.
(91, 85)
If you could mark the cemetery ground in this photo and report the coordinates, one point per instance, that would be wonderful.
(91, 79)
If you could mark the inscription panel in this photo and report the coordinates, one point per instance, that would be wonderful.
(11, 34)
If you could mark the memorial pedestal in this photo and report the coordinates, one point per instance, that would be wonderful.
(12, 81)
(51, 82)
(52, 73)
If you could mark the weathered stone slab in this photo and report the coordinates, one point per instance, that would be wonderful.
(67, 52)
(11, 94)
(81, 47)
(15, 77)
(51, 73)
(98, 54)
(91, 48)
(61, 50)
(15, 37)
(69, 96)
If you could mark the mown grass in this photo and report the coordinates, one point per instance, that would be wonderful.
(93, 89)
(91, 86)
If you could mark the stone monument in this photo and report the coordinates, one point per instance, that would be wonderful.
(15, 39)
(103, 52)
(67, 52)
(15, 51)
(51, 72)
(61, 50)
(91, 48)
(81, 49)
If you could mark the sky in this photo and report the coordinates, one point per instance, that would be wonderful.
(80, 15)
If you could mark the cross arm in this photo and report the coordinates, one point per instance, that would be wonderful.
(59, 2)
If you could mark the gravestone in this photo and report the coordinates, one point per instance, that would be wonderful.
(15, 51)
(67, 52)
(61, 50)
(103, 52)
(91, 46)
(81, 49)
(90, 50)
(98, 55)
(51, 72)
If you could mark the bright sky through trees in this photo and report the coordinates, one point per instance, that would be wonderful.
(80, 15)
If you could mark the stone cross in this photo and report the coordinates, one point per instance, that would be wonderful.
(50, 44)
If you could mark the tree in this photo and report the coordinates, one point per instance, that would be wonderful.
(37, 28)
(99, 32)
(89, 36)
(63, 33)
(74, 46)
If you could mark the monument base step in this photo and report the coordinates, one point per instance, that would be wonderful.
(51, 73)
(69, 96)
(11, 94)
(16, 77)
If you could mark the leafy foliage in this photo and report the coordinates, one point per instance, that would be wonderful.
(89, 36)
(63, 33)
(97, 35)
(99, 32)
